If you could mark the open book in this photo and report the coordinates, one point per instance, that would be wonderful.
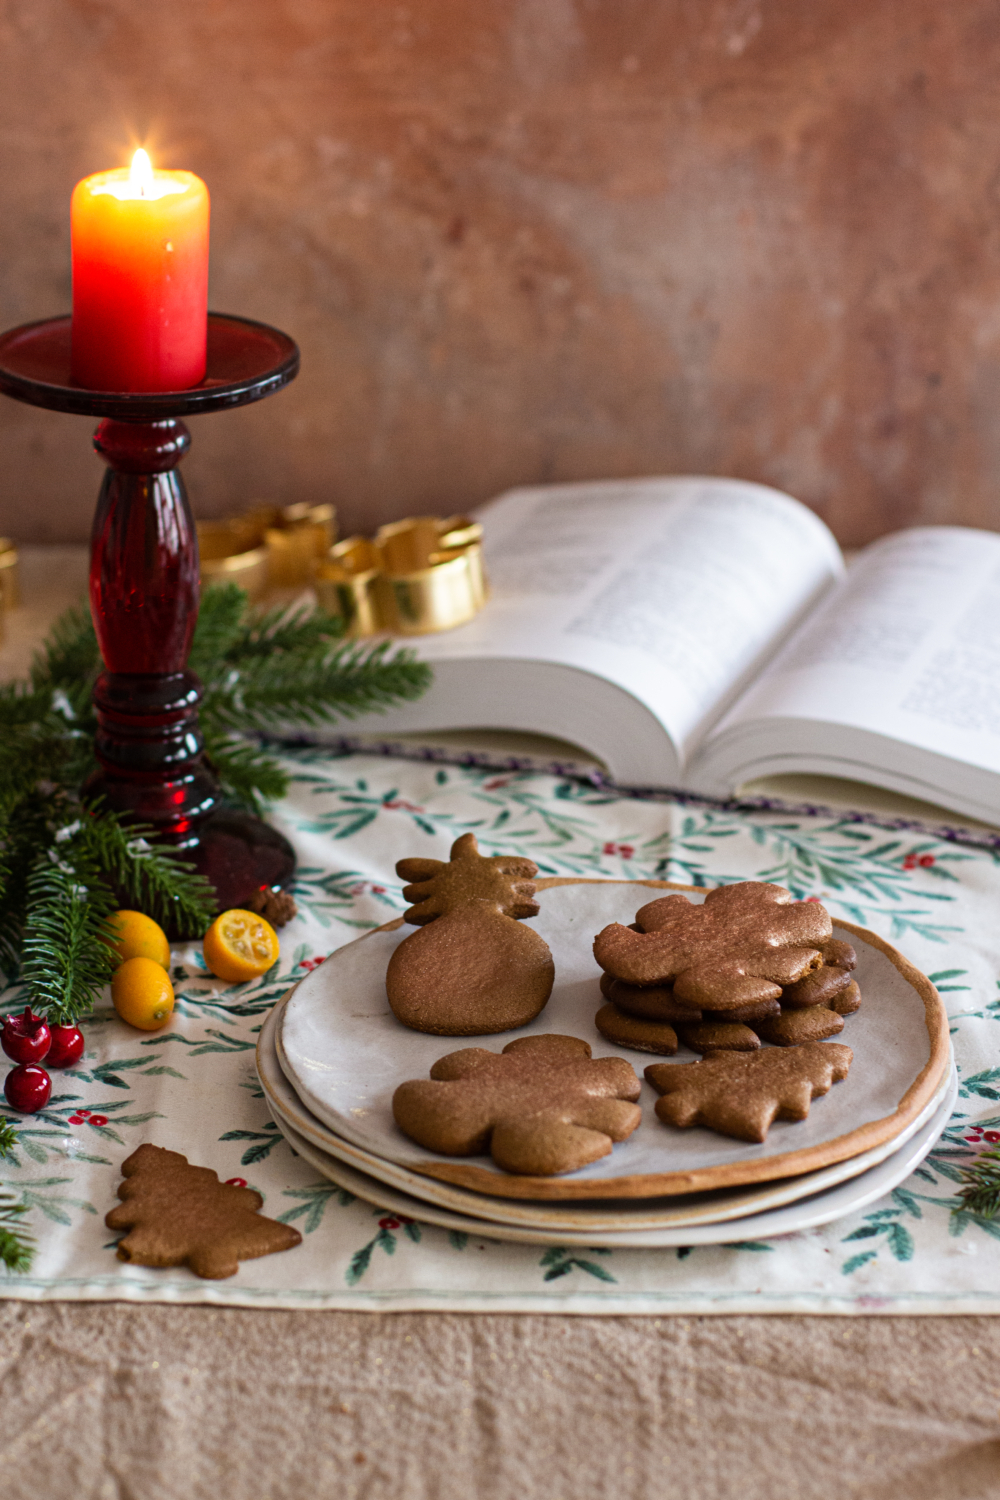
(703, 633)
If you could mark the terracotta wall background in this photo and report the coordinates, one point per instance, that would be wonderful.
(526, 240)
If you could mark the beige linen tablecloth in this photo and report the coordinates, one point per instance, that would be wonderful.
(113, 1402)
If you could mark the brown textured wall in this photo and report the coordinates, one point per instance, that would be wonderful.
(543, 239)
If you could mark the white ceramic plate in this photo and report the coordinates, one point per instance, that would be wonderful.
(345, 1053)
(705, 1208)
(809, 1213)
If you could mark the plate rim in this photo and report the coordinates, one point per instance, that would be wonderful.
(668, 1237)
(377, 1167)
(370, 1165)
(723, 1174)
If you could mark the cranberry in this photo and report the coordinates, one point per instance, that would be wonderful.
(25, 1038)
(67, 1047)
(27, 1088)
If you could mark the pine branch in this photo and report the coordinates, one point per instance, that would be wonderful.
(274, 691)
(69, 657)
(299, 631)
(16, 1246)
(23, 706)
(980, 1193)
(230, 632)
(66, 953)
(223, 607)
(154, 877)
(248, 774)
(29, 756)
(23, 834)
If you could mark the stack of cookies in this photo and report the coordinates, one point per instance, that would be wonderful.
(717, 954)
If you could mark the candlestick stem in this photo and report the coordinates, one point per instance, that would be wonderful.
(144, 595)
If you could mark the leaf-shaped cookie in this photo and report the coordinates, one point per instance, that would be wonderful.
(743, 944)
(540, 1106)
(742, 1093)
(472, 968)
(180, 1215)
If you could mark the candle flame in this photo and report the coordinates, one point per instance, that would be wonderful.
(141, 172)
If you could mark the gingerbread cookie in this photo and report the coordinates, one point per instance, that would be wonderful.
(741, 1094)
(472, 968)
(719, 1036)
(818, 988)
(624, 1030)
(848, 1001)
(653, 1002)
(541, 1106)
(744, 944)
(749, 1015)
(839, 954)
(794, 1027)
(180, 1215)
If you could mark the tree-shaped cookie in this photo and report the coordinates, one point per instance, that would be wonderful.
(541, 1106)
(742, 1093)
(743, 944)
(180, 1215)
(473, 968)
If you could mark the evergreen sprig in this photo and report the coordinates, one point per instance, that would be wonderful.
(66, 954)
(264, 672)
(65, 863)
(261, 673)
(250, 776)
(980, 1190)
(17, 1247)
(153, 878)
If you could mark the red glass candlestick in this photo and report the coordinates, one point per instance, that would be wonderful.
(144, 592)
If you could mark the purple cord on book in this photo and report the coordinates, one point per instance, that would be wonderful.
(593, 776)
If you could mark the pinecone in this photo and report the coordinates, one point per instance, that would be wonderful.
(276, 907)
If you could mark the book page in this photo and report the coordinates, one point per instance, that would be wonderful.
(675, 590)
(907, 646)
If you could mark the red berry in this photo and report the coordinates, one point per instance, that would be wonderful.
(236, 1182)
(27, 1088)
(25, 1038)
(67, 1047)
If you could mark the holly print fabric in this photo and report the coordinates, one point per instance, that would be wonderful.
(193, 1087)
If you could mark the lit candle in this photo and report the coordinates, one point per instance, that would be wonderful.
(140, 279)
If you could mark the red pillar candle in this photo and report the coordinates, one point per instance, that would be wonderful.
(140, 279)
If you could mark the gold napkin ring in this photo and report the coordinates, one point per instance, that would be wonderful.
(419, 575)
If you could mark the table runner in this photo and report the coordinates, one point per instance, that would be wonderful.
(193, 1087)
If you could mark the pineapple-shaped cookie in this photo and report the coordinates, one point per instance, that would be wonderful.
(473, 968)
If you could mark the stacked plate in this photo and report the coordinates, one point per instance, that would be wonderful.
(331, 1055)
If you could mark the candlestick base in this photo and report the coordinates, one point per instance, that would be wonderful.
(242, 855)
(144, 592)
